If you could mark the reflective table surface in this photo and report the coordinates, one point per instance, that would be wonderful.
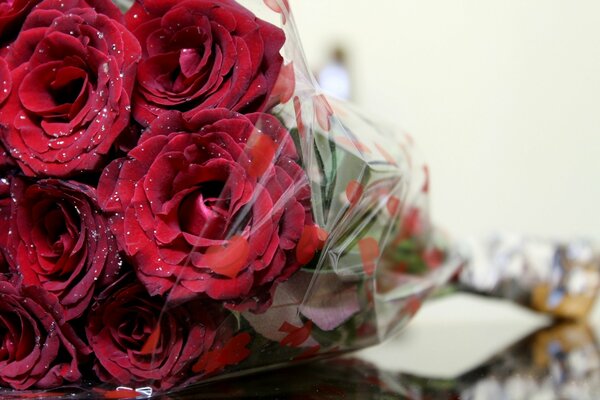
(461, 348)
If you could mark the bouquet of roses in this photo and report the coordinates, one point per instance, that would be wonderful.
(179, 201)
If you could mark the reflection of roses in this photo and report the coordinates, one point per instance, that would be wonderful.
(72, 70)
(200, 54)
(215, 203)
(61, 242)
(37, 348)
(136, 343)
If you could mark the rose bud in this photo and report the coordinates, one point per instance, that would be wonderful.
(137, 342)
(200, 54)
(212, 204)
(60, 241)
(72, 71)
(37, 347)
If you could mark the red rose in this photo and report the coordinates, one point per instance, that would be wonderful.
(201, 54)
(37, 348)
(12, 14)
(138, 343)
(72, 69)
(214, 203)
(60, 241)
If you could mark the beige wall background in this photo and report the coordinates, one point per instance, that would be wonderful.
(502, 96)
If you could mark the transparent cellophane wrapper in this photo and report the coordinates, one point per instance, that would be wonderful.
(379, 258)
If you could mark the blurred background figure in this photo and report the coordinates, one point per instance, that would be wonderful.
(334, 77)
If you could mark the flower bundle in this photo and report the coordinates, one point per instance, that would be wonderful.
(179, 202)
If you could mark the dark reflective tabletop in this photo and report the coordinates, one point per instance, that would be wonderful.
(559, 361)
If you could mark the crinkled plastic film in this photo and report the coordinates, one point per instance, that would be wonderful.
(233, 241)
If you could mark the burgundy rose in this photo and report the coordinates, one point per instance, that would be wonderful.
(200, 54)
(60, 241)
(12, 14)
(214, 203)
(37, 348)
(138, 343)
(72, 70)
